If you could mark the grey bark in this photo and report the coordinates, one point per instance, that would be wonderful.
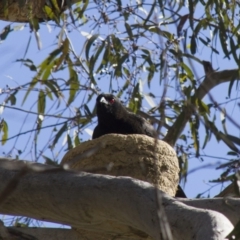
(120, 207)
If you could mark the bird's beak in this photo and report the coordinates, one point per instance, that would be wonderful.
(103, 100)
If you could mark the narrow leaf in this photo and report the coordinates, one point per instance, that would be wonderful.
(69, 142)
(74, 85)
(41, 102)
(59, 134)
(4, 128)
(89, 44)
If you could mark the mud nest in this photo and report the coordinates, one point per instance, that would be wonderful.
(137, 156)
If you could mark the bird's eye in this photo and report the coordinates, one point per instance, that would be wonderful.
(111, 100)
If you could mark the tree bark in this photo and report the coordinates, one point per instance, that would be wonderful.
(116, 206)
(25, 10)
(230, 207)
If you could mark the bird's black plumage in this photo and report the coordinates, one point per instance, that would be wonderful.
(113, 117)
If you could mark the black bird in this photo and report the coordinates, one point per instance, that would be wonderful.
(113, 117)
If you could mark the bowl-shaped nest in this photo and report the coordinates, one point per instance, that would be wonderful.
(137, 156)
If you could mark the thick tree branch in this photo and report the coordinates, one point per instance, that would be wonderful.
(101, 203)
(210, 81)
(230, 207)
(214, 79)
(25, 10)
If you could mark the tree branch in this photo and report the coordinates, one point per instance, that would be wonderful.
(101, 203)
(230, 207)
(210, 81)
(23, 11)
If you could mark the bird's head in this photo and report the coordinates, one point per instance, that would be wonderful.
(108, 106)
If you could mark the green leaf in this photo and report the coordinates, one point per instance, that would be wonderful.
(107, 56)
(136, 99)
(69, 142)
(54, 88)
(87, 111)
(129, 31)
(48, 93)
(74, 84)
(59, 134)
(232, 154)
(119, 3)
(47, 65)
(207, 136)
(183, 164)
(152, 67)
(125, 86)
(96, 56)
(34, 23)
(234, 50)
(193, 44)
(203, 108)
(223, 38)
(32, 84)
(183, 137)
(51, 14)
(65, 49)
(4, 129)
(89, 43)
(4, 33)
(150, 13)
(221, 136)
(81, 12)
(82, 121)
(27, 47)
(233, 139)
(118, 71)
(55, 5)
(231, 85)
(117, 44)
(188, 71)
(41, 102)
(49, 161)
(192, 5)
(160, 2)
(194, 125)
(29, 63)
(76, 141)
(12, 98)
